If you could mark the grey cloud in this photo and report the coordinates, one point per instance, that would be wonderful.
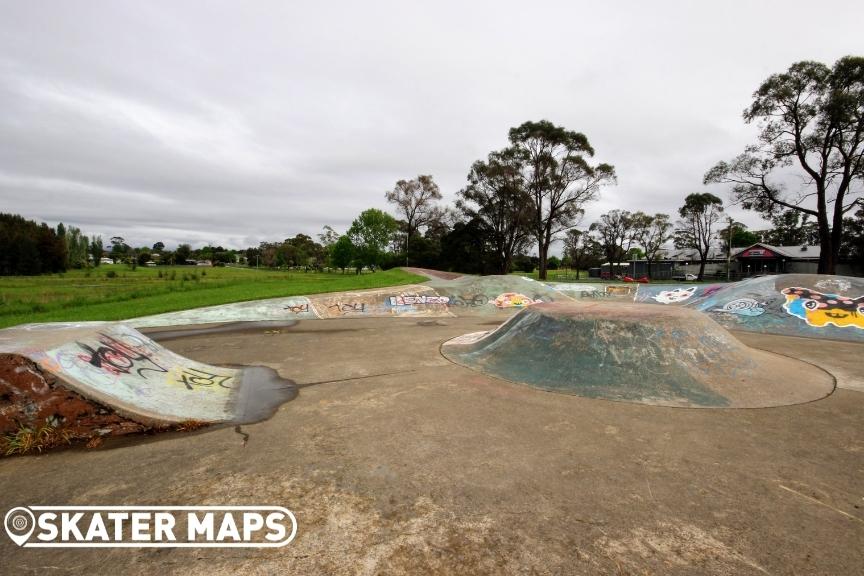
(232, 122)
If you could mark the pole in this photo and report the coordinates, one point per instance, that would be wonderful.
(729, 253)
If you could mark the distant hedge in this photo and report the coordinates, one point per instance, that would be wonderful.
(28, 248)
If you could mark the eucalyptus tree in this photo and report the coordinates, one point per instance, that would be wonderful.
(558, 178)
(811, 120)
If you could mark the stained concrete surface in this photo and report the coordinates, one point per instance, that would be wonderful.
(397, 461)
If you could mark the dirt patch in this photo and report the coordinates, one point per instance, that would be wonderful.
(35, 400)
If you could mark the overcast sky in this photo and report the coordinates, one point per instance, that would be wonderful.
(236, 122)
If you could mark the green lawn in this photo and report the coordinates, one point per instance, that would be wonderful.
(93, 295)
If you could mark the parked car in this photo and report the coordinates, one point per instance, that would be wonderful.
(685, 277)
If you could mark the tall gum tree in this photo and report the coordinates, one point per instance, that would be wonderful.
(558, 178)
(811, 121)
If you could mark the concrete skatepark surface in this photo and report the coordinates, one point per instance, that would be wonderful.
(397, 461)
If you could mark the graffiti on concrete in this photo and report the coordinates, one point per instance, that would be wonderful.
(819, 309)
(193, 378)
(414, 300)
(620, 290)
(298, 308)
(348, 307)
(834, 285)
(743, 307)
(116, 356)
(513, 300)
(675, 296)
(469, 301)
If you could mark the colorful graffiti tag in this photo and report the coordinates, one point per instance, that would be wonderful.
(513, 300)
(742, 307)
(820, 310)
(675, 296)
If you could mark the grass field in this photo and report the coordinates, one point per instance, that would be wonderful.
(115, 292)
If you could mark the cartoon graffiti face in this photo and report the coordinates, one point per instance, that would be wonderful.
(675, 296)
(820, 310)
(513, 300)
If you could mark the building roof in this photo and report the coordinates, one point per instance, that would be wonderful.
(799, 252)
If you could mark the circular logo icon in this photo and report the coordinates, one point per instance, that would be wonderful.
(19, 523)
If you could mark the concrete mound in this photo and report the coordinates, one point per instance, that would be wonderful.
(805, 305)
(116, 366)
(668, 356)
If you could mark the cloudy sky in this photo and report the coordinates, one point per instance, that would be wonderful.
(235, 122)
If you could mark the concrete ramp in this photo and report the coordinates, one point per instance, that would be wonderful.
(804, 305)
(411, 300)
(117, 366)
(637, 353)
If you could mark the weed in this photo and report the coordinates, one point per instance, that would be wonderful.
(25, 440)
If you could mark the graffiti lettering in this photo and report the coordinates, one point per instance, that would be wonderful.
(743, 307)
(343, 307)
(298, 308)
(117, 357)
(192, 377)
(409, 300)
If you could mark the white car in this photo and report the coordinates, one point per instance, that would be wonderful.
(691, 277)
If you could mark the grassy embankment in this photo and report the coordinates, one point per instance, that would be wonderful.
(115, 292)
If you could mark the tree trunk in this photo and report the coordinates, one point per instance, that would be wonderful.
(543, 249)
(701, 268)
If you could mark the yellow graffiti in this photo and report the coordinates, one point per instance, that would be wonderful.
(513, 300)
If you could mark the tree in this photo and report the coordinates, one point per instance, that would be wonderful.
(158, 247)
(811, 121)
(558, 178)
(464, 248)
(791, 228)
(342, 253)
(183, 253)
(699, 214)
(581, 250)
(28, 248)
(651, 233)
(415, 200)
(96, 250)
(370, 234)
(853, 243)
(496, 198)
(615, 236)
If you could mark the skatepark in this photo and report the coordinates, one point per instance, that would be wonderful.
(472, 425)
